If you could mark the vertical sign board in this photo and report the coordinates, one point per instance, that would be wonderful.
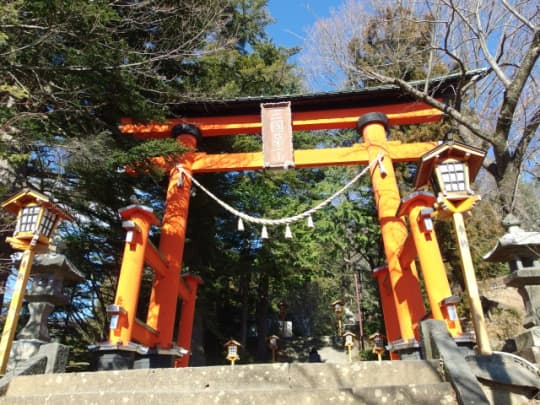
(277, 135)
(286, 329)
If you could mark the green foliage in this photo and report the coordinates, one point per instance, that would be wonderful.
(139, 157)
(71, 70)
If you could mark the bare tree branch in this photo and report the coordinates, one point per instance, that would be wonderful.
(499, 36)
(515, 88)
(519, 16)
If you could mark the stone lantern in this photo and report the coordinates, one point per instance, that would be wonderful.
(349, 338)
(378, 344)
(273, 346)
(232, 350)
(521, 250)
(337, 306)
(50, 273)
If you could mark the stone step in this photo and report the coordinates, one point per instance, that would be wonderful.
(278, 376)
(440, 393)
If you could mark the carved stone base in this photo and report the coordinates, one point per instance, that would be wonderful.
(22, 350)
(528, 345)
(114, 360)
(527, 282)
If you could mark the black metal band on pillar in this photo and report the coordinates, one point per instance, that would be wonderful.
(186, 129)
(371, 118)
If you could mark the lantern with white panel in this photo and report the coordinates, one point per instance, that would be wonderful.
(349, 342)
(338, 310)
(37, 219)
(232, 350)
(451, 168)
(273, 346)
(377, 339)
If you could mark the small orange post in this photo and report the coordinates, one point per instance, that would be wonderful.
(388, 305)
(418, 206)
(164, 297)
(138, 220)
(405, 285)
(185, 325)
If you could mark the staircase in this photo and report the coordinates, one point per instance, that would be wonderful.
(390, 383)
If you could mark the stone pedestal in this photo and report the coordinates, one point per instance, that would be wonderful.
(154, 361)
(114, 360)
(31, 356)
(526, 278)
(407, 350)
(527, 282)
(528, 345)
(36, 327)
(22, 350)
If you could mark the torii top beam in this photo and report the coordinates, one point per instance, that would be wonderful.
(319, 111)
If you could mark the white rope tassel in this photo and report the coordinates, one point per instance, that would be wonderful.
(294, 218)
(264, 232)
(241, 225)
(180, 182)
(288, 233)
(310, 222)
(382, 169)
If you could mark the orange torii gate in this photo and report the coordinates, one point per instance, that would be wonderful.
(370, 111)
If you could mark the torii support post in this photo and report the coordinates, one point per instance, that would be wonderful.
(165, 290)
(388, 305)
(405, 284)
(418, 207)
(138, 220)
(187, 316)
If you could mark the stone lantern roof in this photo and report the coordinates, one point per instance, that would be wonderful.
(57, 264)
(515, 243)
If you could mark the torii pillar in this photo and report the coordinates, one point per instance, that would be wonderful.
(403, 279)
(166, 290)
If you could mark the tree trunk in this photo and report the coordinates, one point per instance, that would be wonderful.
(244, 290)
(262, 316)
(3, 282)
(507, 185)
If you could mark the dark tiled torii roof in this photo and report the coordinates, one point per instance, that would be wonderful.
(439, 87)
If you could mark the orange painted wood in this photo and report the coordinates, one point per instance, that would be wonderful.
(404, 281)
(356, 154)
(129, 280)
(433, 269)
(144, 335)
(184, 293)
(407, 253)
(185, 324)
(390, 318)
(339, 118)
(164, 297)
(154, 259)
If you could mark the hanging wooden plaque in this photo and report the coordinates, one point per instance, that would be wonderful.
(277, 135)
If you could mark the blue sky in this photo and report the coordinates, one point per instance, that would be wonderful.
(293, 17)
